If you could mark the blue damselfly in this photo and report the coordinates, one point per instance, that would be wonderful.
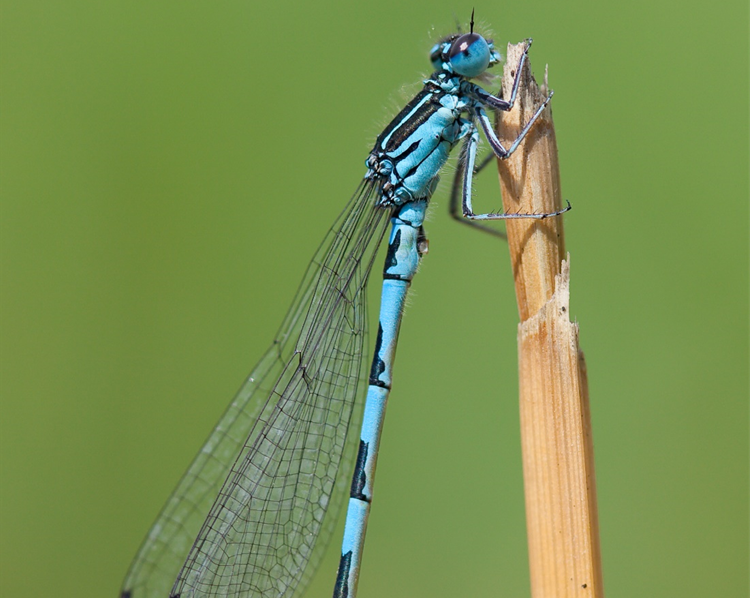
(256, 507)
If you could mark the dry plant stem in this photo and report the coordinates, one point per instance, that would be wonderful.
(558, 457)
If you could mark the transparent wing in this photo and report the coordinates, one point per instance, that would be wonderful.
(254, 510)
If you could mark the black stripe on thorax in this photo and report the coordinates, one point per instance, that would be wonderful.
(401, 127)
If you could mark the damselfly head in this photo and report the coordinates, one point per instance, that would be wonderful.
(468, 55)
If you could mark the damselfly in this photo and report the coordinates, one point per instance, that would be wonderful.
(256, 507)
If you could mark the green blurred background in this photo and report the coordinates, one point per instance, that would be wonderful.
(168, 168)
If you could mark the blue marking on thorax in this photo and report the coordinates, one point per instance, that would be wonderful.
(409, 154)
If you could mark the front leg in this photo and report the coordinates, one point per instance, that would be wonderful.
(489, 131)
(495, 102)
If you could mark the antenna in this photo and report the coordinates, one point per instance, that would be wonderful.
(472, 21)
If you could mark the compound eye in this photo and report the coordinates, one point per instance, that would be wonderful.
(469, 55)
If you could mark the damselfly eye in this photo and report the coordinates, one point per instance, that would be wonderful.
(469, 55)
